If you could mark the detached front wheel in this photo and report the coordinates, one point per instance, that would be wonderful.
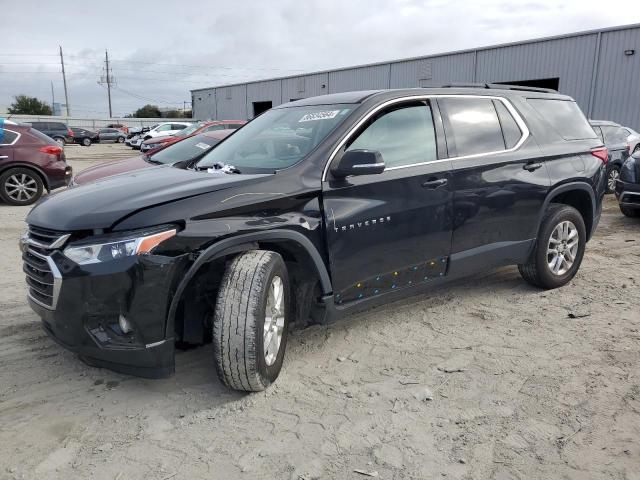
(251, 320)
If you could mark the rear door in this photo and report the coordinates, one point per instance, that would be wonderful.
(7, 141)
(499, 180)
(392, 230)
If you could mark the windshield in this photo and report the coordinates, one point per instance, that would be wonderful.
(187, 149)
(277, 139)
(185, 132)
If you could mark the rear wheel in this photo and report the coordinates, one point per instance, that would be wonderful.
(559, 248)
(630, 212)
(60, 141)
(86, 142)
(613, 175)
(20, 186)
(120, 139)
(250, 321)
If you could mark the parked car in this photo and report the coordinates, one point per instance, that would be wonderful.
(133, 131)
(167, 128)
(59, 131)
(182, 154)
(628, 186)
(200, 127)
(135, 142)
(315, 209)
(30, 163)
(633, 143)
(614, 137)
(118, 126)
(84, 137)
(111, 135)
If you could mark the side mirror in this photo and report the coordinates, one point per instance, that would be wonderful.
(358, 162)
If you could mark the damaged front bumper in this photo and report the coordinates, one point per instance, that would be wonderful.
(90, 305)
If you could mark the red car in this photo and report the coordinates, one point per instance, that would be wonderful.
(183, 153)
(201, 127)
(30, 162)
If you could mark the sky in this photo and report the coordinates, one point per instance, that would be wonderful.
(160, 50)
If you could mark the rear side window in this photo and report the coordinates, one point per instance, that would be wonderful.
(474, 125)
(214, 127)
(8, 137)
(510, 129)
(404, 136)
(178, 126)
(57, 126)
(41, 136)
(614, 134)
(565, 117)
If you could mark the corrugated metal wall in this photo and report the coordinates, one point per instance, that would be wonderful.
(592, 68)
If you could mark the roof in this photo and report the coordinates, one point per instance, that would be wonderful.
(435, 55)
(361, 96)
(599, 123)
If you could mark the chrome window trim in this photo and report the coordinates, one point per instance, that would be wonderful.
(14, 142)
(514, 113)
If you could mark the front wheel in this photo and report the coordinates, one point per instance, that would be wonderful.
(559, 248)
(250, 321)
(613, 175)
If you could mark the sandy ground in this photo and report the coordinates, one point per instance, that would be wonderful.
(488, 378)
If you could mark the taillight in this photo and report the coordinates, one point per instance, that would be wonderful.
(602, 153)
(70, 133)
(51, 150)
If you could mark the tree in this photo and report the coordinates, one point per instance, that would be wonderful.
(172, 114)
(148, 111)
(29, 106)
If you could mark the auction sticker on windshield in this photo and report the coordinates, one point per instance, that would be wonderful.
(203, 146)
(309, 117)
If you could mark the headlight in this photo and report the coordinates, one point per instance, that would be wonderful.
(127, 245)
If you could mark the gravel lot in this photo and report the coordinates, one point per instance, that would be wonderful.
(488, 378)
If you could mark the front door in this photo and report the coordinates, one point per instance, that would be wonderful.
(392, 230)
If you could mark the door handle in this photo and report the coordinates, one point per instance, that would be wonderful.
(532, 166)
(433, 184)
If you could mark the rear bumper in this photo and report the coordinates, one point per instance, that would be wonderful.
(61, 177)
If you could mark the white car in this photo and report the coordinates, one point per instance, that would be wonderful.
(168, 128)
(633, 141)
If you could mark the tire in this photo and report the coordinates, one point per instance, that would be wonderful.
(33, 186)
(630, 212)
(612, 176)
(120, 139)
(86, 142)
(60, 141)
(538, 269)
(239, 321)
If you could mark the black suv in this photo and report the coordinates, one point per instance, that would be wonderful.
(314, 209)
(628, 186)
(59, 131)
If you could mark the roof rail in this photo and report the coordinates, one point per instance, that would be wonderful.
(501, 86)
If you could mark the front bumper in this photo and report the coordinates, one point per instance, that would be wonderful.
(83, 316)
(628, 194)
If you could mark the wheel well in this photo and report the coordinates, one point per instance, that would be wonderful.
(196, 305)
(42, 177)
(581, 201)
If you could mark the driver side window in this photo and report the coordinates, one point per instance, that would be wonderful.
(404, 136)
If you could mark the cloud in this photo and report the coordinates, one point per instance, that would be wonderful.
(160, 50)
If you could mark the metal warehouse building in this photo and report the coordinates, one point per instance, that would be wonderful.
(599, 68)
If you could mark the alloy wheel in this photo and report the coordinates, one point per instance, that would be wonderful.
(614, 174)
(273, 321)
(21, 187)
(562, 248)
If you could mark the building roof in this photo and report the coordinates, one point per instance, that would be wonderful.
(424, 57)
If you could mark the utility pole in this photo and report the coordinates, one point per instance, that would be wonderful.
(64, 81)
(53, 100)
(108, 79)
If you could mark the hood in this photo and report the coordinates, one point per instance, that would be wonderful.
(103, 203)
(162, 139)
(112, 168)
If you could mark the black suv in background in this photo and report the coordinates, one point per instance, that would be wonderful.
(628, 186)
(315, 209)
(84, 137)
(59, 131)
(614, 137)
